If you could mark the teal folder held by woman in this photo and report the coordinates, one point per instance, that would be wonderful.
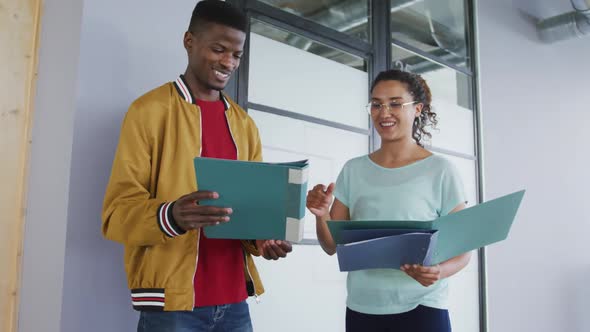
(367, 244)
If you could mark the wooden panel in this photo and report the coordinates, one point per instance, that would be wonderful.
(19, 33)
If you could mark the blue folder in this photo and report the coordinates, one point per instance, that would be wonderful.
(356, 235)
(267, 199)
(457, 233)
(384, 249)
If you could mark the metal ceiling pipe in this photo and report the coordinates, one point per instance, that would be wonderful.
(439, 28)
(450, 35)
(344, 16)
(568, 25)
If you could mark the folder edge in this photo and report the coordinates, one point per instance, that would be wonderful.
(294, 229)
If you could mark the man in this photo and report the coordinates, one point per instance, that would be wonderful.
(179, 279)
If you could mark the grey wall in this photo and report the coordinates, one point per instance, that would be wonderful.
(535, 115)
(127, 48)
(49, 172)
(535, 106)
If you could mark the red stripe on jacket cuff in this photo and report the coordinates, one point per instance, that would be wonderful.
(166, 221)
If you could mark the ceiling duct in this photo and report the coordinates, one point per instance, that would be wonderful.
(566, 26)
(438, 28)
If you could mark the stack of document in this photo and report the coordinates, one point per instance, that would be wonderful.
(373, 244)
(267, 199)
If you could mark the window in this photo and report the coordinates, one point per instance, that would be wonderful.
(312, 108)
(346, 16)
(305, 82)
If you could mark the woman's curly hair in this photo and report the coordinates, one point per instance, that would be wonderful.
(418, 88)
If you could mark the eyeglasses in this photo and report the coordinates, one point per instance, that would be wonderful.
(374, 107)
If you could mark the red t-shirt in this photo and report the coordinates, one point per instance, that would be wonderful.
(220, 267)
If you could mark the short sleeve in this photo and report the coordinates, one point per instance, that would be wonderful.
(341, 191)
(452, 191)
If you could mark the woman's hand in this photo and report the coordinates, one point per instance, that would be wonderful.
(425, 275)
(319, 200)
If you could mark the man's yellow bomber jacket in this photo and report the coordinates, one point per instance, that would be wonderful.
(153, 166)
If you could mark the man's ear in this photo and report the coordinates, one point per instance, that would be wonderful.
(188, 40)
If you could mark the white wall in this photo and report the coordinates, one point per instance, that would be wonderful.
(535, 116)
(49, 172)
(536, 113)
(126, 49)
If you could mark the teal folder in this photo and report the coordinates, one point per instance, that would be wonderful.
(458, 233)
(267, 199)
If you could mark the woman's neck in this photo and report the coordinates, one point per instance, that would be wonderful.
(399, 154)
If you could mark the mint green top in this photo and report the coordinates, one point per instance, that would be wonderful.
(424, 190)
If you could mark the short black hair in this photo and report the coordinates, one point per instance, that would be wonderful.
(216, 11)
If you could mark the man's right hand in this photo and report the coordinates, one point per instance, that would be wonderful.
(188, 214)
(319, 200)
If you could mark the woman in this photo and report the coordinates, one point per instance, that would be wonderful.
(400, 181)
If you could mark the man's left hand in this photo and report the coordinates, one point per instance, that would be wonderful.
(273, 249)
